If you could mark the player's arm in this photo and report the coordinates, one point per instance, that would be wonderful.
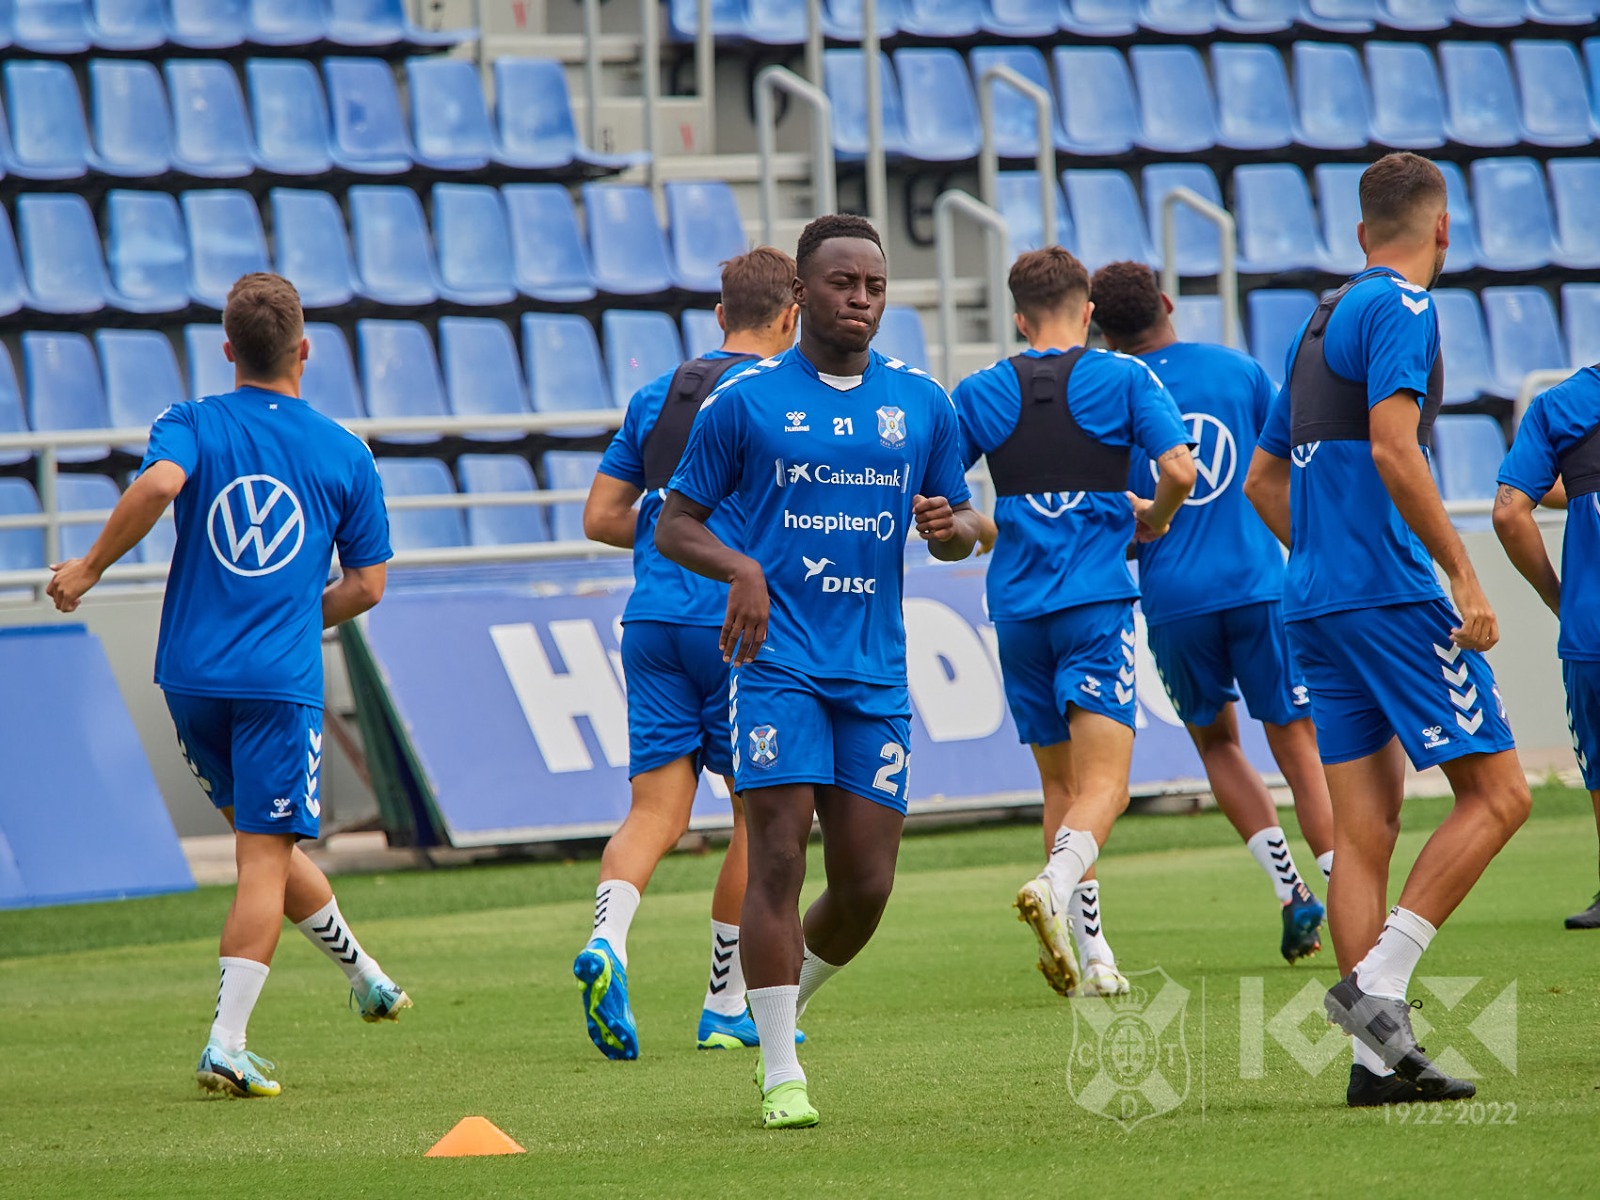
(1556, 497)
(1174, 482)
(682, 536)
(135, 515)
(988, 534)
(608, 513)
(1267, 487)
(1519, 533)
(355, 591)
(1404, 471)
(950, 531)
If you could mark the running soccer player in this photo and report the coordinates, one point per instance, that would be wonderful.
(266, 489)
(1556, 451)
(1394, 671)
(833, 451)
(677, 679)
(1212, 592)
(1057, 424)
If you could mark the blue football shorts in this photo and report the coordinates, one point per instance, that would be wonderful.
(1392, 671)
(262, 758)
(1207, 660)
(790, 728)
(677, 696)
(1583, 716)
(1080, 656)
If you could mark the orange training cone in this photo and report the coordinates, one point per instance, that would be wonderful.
(474, 1135)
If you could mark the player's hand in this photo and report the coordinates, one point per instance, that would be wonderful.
(744, 631)
(1478, 629)
(68, 582)
(988, 532)
(936, 520)
(1143, 530)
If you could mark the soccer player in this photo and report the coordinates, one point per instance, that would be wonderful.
(1058, 424)
(1394, 670)
(677, 679)
(1556, 458)
(266, 489)
(833, 452)
(1212, 592)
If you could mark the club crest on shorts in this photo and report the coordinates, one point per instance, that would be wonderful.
(891, 426)
(763, 745)
(1129, 1058)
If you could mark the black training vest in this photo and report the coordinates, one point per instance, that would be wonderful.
(1048, 451)
(1580, 466)
(1327, 407)
(690, 385)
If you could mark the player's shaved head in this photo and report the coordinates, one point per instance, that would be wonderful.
(756, 289)
(1048, 281)
(1127, 299)
(264, 324)
(1402, 196)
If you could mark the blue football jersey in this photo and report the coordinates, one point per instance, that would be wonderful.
(1555, 422)
(1058, 550)
(273, 489)
(1218, 554)
(826, 478)
(662, 590)
(1350, 547)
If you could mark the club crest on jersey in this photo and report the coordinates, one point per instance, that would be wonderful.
(763, 745)
(891, 426)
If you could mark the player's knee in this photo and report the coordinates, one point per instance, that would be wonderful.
(866, 895)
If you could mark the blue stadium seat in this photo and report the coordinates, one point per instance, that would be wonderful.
(51, 26)
(701, 333)
(329, 383)
(1561, 13)
(1408, 110)
(1259, 16)
(312, 248)
(132, 124)
(210, 132)
(86, 494)
(11, 418)
(1464, 343)
(502, 525)
(845, 79)
(1015, 124)
(562, 360)
(1591, 59)
(1555, 96)
(942, 126)
(128, 24)
(1107, 217)
(640, 347)
(1176, 107)
(1021, 19)
(533, 115)
(1575, 190)
(1414, 16)
(1341, 16)
(1491, 14)
(1254, 110)
(394, 254)
(450, 124)
(400, 375)
(1467, 449)
(730, 21)
(706, 231)
(208, 24)
(1099, 113)
(147, 252)
(225, 242)
(369, 134)
(1198, 319)
(569, 470)
(210, 374)
(626, 247)
(1580, 320)
(384, 23)
(1464, 251)
(1480, 100)
(20, 549)
(61, 253)
(1334, 106)
(141, 378)
(1017, 199)
(900, 335)
(291, 116)
(842, 20)
(1100, 18)
(288, 22)
(64, 389)
(1275, 316)
(1199, 246)
(1277, 226)
(49, 139)
(421, 528)
(482, 374)
(1339, 205)
(1180, 18)
(549, 258)
(1515, 230)
(943, 19)
(473, 243)
(13, 283)
(1523, 335)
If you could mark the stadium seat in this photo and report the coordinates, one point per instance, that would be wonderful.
(13, 283)
(1523, 335)
(86, 494)
(1580, 320)
(1591, 59)
(61, 253)
(1555, 96)
(11, 418)
(288, 22)
(1107, 218)
(1198, 319)
(209, 373)
(1254, 111)
(569, 470)
(329, 383)
(1276, 315)
(1575, 191)
(394, 255)
(225, 242)
(732, 20)
(900, 336)
(1015, 123)
(1480, 100)
(312, 249)
(1277, 227)
(20, 549)
(1491, 14)
(1339, 205)
(1100, 18)
(473, 243)
(141, 378)
(533, 117)
(1515, 230)
(1563, 12)
(482, 374)
(291, 116)
(502, 525)
(842, 19)
(146, 252)
(400, 375)
(550, 261)
(701, 333)
(943, 19)
(450, 124)
(1414, 16)
(1341, 16)
(50, 26)
(49, 139)
(64, 389)
(1199, 244)
(1259, 16)
(942, 126)
(1334, 106)
(1099, 113)
(208, 24)
(1021, 19)
(562, 360)
(1464, 343)
(1017, 199)
(1408, 110)
(845, 79)
(210, 132)
(1464, 251)
(369, 134)
(128, 24)
(626, 247)
(706, 231)
(132, 124)
(1180, 18)
(421, 528)
(1176, 108)
(640, 347)
(1468, 448)
(384, 23)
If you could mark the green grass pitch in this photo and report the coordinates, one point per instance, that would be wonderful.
(938, 1060)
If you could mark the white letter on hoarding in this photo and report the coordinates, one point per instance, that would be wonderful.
(940, 644)
(552, 702)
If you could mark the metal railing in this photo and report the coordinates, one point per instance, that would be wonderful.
(649, 89)
(877, 167)
(989, 154)
(998, 239)
(825, 195)
(1227, 259)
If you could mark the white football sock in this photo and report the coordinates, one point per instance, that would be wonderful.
(1087, 926)
(1325, 865)
(240, 987)
(326, 930)
(774, 1011)
(1271, 849)
(1369, 1058)
(725, 991)
(1386, 970)
(1071, 857)
(615, 902)
(813, 974)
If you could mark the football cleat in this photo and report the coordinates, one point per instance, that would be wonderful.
(787, 1106)
(1058, 961)
(242, 1075)
(1384, 1026)
(378, 999)
(1589, 918)
(1101, 979)
(719, 1032)
(1302, 924)
(604, 981)
(1367, 1090)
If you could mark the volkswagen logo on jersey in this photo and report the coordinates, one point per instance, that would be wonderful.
(1216, 457)
(763, 745)
(1301, 455)
(256, 525)
(891, 426)
(1053, 504)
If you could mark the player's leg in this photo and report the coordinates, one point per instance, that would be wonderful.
(1582, 681)
(1294, 749)
(313, 909)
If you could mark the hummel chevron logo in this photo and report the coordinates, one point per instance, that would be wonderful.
(1455, 678)
(1472, 725)
(1124, 694)
(1449, 655)
(1464, 702)
(1125, 674)
(1417, 307)
(1128, 638)
(316, 741)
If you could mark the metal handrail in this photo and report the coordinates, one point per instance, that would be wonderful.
(877, 167)
(998, 238)
(649, 89)
(1227, 268)
(1533, 383)
(989, 155)
(591, 70)
(825, 196)
(814, 41)
(705, 73)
